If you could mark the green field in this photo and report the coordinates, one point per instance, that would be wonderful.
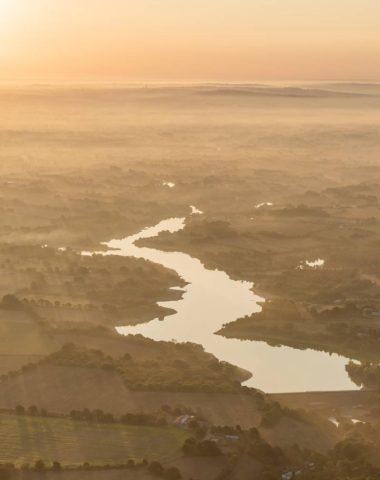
(27, 439)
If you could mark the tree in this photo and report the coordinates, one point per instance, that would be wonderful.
(205, 448)
(56, 466)
(33, 410)
(156, 468)
(172, 473)
(11, 302)
(20, 410)
(39, 465)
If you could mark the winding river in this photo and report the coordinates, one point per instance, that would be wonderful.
(212, 299)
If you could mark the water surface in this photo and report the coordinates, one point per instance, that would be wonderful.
(212, 299)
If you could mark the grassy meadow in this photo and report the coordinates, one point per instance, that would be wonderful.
(26, 439)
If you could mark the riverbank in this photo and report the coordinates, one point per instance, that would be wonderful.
(343, 409)
(212, 299)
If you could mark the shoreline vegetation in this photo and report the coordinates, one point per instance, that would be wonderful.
(204, 373)
(356, 342)
(333, 307)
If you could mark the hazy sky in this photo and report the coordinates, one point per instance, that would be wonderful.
(189, 40)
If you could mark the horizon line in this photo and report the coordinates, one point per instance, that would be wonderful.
(159, 83)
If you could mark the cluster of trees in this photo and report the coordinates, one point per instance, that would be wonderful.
(201, 448)
(43, 302)
(32, 411)
(180, 410)
(13, 373)
(92, 416)
(336, 331)
(179, 367)
(250, 442)
(254, 445)
(357, 334)
(79, 280)
(8, 469)
(242, 442)
(141, 419)
(12, 302)
(274, 412)
(197, 372)
(349, 460)
(130, 465)
(98, 416)
(364, 374)
(171, 473)
(352, 457)
(72, 356)
(40, 466)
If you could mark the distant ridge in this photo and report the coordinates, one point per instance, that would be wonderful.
(283, 92)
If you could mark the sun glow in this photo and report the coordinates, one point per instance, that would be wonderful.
(9, 26)
(7, 11)
(179, 40)
(5, 6)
